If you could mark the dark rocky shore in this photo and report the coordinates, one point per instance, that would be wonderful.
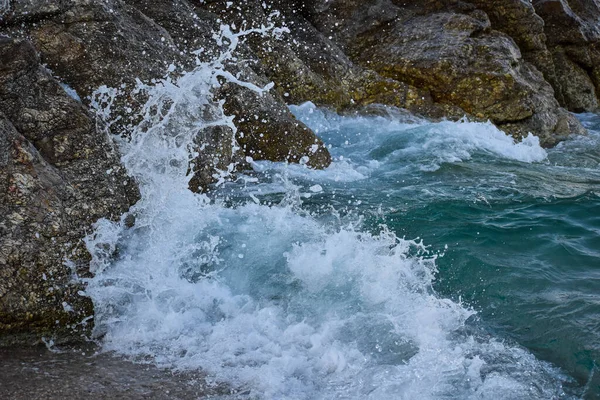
(522, 65)
(81, 373)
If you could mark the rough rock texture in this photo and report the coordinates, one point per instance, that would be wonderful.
(88, 44)
(573, 38)
(58, 174)
(560, 38)
(307, 65)
(518, 19)
(259, 131)
(450, 50)
(482, 58)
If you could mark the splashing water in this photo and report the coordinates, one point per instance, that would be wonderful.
(4, 6)
(285, 301)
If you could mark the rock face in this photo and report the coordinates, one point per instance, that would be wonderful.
(481, 58)
(88, 44)
(261, 119)
(573, 38)
(560, 38)
(518, 63)
(58, 175)
(452, 52)
(307, 65)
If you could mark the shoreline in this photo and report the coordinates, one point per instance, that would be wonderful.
(82, 372)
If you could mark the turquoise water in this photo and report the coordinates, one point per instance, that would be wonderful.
(523, 239)
(429, 261)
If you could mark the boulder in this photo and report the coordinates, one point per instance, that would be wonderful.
(307, 65)
(519, 20)
(59, 169)
(573, 38)
(450, 50)
(263, 119)
(513, 62)
(88, 43)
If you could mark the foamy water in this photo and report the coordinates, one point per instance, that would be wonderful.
(284, 302)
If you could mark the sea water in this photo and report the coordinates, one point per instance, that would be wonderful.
(429, 261)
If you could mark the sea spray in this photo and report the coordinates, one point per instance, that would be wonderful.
(276, 301)
(401, 136)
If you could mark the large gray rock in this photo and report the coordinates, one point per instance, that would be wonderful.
(519, 20)
(59, 170)
(263, 119)
(307, 65)
(511, 61)
(88, 44)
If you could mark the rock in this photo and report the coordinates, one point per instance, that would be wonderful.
(191, 28)
(306, 65)
(559, 38)
(451, 51)
(89, 44)
(575, 86)
(518, 19)
(58, 175)
(266, 129)
(35, 281)
(573, 38)
(512, 62)
(218, 156)
(88, 372)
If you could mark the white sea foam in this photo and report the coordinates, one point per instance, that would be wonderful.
(276, 301)
(397, 137)
(307, 312)
(462, 139)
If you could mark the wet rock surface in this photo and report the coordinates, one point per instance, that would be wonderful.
(37, 373)
(59, 174)
(60, 171)
(453, 52)
(262, 119)
(572, 32)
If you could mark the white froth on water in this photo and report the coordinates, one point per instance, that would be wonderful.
(278, 302)
(399, 136)
(306, 313)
